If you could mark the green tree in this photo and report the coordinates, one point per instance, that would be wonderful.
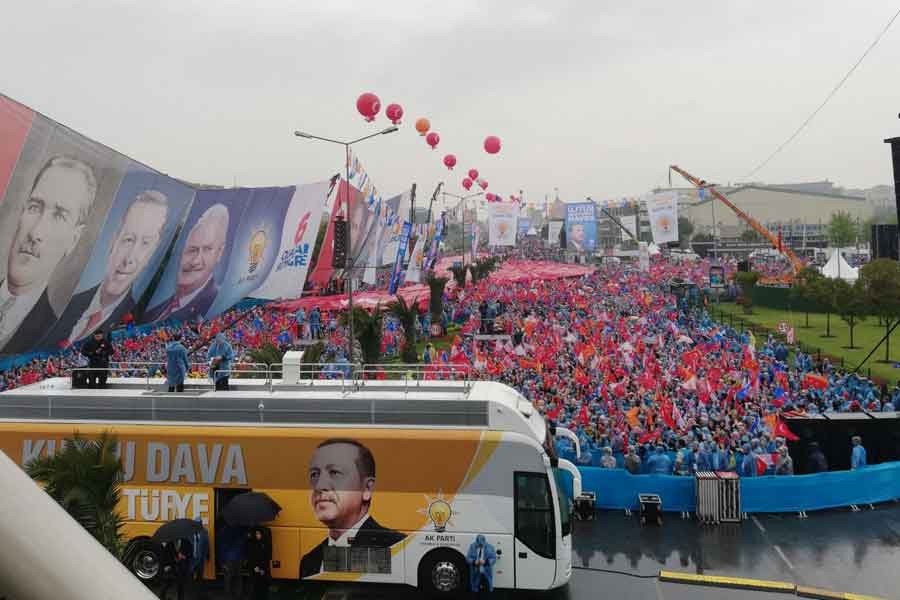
(483, 267)
(407, 314)
(436, 302)
(702, 237)
(459, 275)
(367, 331)
(685, 231)
(310, 361)
(749, 235)
(851, 305)
(85, 477)
(267, 354)
(803, 290)
(746, 280)
(841, 229)
(880, 280)
(824, 291)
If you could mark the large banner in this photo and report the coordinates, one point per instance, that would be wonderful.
(416, 260)
(662, 209)
(398, 262)
(128, 251)
(629, 222)
(298, 236)
(56, 188)
(524, 226)
(229, 247)
(581, 227)
(502, 224)
(553, 229)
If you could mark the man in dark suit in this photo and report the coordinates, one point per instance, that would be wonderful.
(50, 225)
(136, 240)
(195, 286)
(342, 482)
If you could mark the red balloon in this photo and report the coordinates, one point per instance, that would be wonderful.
(483, 183)
(489, 197)
(473, 174)
(432, 139)
(467, 183)
(450, 161)
(492, 144)
(368, 105)
(394, 112)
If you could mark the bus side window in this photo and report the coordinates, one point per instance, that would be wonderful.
(534, 513)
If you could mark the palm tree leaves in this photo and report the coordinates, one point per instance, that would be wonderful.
(407, 314)
(85, 477)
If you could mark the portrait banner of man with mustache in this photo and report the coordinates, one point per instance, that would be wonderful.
(342, 486)
(49, 226)
(138, 230)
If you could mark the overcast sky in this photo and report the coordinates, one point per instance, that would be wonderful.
(594, 97)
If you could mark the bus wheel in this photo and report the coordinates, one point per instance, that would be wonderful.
(443, 573)
(144, 559)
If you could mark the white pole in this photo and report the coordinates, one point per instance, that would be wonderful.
(47, 555)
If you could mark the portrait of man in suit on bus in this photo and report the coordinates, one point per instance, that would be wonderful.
(342, 485)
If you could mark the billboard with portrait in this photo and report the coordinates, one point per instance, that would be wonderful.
(57, 192)
(662, 210)
(357, 504)
(581, 227)
(502, 219)
(139, 229)
(234, 242)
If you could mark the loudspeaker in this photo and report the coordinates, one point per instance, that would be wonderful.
(884, 242)
(339, 258)
(744, 266)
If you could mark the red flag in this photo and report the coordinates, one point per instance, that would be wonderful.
(781, 429)
(650, 436)
(811, 380)
(583, 416)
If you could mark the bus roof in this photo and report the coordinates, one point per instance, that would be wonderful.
(315, 402)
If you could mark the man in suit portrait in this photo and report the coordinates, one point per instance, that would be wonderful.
(342, 483)
(195, 285)
(576, 237)
(132, 247)
(50, 224)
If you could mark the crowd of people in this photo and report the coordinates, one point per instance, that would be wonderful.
(647, 380)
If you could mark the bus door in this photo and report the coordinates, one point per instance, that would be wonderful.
(221, 499)
(535, 526)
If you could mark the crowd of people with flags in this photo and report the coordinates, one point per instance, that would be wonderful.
(648, 383)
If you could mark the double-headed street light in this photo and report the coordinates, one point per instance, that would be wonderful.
(351, 260)
(463, 235)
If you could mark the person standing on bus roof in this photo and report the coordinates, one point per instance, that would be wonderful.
(98, 349)
(220, 355)
(177, 364)
(342, 483)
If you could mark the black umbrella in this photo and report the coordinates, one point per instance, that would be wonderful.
(250, 509)
(176, 530)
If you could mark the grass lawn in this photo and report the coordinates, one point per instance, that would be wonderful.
(439, 343)
(865, 336)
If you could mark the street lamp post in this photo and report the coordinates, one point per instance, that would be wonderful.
(463, 235)
(350, 260)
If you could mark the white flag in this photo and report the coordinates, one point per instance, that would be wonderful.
(416, 260)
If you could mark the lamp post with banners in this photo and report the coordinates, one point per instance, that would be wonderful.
(350, 260)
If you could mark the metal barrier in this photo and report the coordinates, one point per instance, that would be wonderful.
(718, 497)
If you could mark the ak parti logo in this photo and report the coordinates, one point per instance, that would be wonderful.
(302, 224)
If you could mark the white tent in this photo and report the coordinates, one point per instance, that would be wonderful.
(837, 267)
(653, 249)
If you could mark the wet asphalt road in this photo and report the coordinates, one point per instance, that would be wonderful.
(838, 550)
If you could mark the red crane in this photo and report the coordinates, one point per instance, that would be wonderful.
(775, 240)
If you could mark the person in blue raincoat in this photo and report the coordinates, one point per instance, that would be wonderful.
(659, 463)
(481, 558)
(220, 356)
(177, 364)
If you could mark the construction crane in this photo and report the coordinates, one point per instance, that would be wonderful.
(796, 262)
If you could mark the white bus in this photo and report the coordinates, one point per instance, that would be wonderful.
(378, 481)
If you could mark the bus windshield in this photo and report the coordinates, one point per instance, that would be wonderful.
(564, 503)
